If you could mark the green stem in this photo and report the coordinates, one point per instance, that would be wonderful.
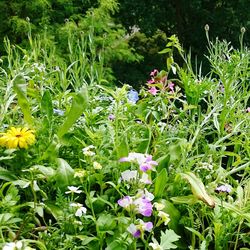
(237, 238)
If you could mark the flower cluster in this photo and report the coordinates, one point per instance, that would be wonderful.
(139, 204)
(87, 151)
(158, 82)
(224, 189)
(145, 161)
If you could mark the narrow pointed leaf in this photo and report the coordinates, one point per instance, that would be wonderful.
(79, 104)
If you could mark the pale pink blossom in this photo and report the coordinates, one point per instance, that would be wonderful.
(153, 90)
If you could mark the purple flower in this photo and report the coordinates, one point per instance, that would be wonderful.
(111, 117)
(224, 189)
(125, 202)
(134, 231)
(144, 206)
(144, 160)
(137, 230)
(145, 226)
(148, 164)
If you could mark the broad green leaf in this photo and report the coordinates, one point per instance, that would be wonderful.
(198, 188)
(64, 173)
(122, 147)
(160, 183)
(46, 171)
(56, 211)
(19, 87)
(46, 105)
(106, 222)
(168, 238)
(85, 240)
(79, 104)
(163, 162)
(117, 245)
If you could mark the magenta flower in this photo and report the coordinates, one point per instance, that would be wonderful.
(154, 72)
(153, 90)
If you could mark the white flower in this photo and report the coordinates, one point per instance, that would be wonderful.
(129, 175)
(87, 150)
(145, 179)
(72, 190)
(155, 245)
(164, 216)
(145, 194)
(80, 173)
(158, 206)
(97, 165)
(80, 209)
(13, 245)
(135, 157)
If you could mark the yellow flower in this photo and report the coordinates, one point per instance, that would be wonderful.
(17, 137)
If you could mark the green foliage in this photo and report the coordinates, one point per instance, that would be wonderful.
(69, 189)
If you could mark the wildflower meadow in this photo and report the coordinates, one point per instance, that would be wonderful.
(88, 163)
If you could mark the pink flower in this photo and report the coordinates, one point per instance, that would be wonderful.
(171, 87)
(151, 81)
(154, 72)
(153, 90)
(163, 79)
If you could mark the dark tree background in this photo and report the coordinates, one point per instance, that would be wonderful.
(156, 19)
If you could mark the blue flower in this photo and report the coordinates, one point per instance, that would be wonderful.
(58, 112)
(133, 96)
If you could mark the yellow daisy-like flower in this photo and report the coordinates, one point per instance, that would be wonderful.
(17, 138)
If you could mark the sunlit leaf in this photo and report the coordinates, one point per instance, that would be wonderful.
(198, 188)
